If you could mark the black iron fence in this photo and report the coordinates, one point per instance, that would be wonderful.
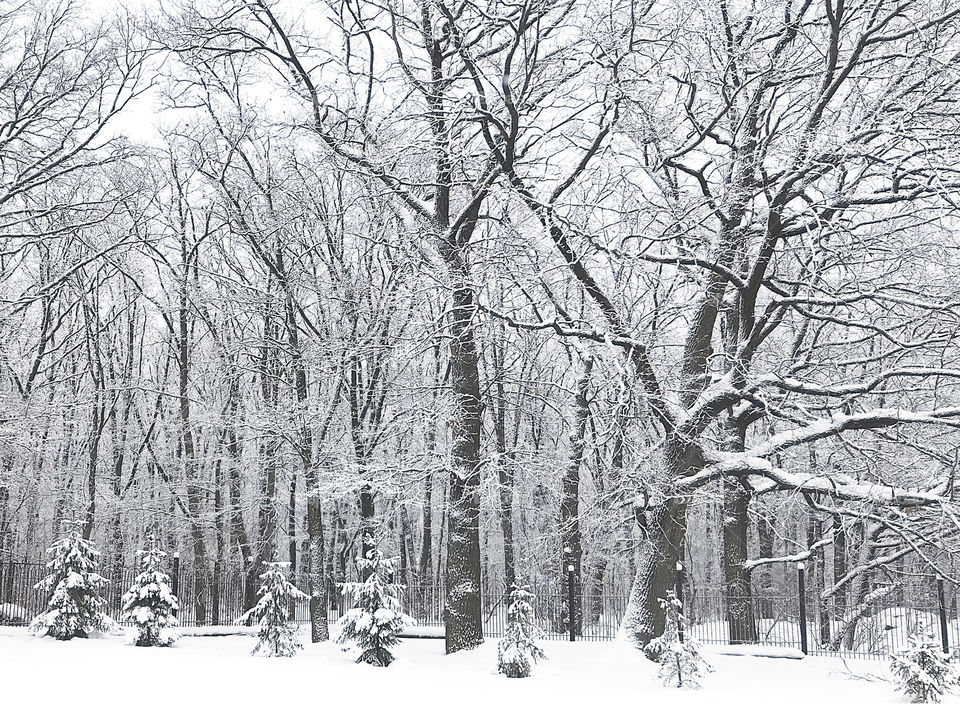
(220, 600)
(815, 626)
(832, 628)
(879, 625)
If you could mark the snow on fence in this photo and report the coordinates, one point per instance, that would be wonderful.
(876, 627)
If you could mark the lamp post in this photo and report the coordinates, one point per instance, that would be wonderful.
(802, 592)
(571, 600)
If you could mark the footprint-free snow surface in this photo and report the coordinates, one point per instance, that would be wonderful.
(215, 677)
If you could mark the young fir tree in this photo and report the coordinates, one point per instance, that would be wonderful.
(277, 637)
(518, 649)
(74, 605)
(376, 620)
(149, 603)
(681, 664)
(923, 672)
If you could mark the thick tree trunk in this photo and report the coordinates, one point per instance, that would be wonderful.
(319, 630)
(463, 611)
(663, 529)
(741, 622)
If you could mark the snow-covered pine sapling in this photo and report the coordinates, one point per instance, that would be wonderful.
(923, 672)
(681, 664)
(277, 637)
(74, 605)
(149, 603)
(518, 649)
(376, 620)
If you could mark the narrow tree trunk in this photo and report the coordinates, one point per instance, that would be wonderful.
(319, 630)
(194, 492)
(839, 564)
(570, 501)
(504, 467)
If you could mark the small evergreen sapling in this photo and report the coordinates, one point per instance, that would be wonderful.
(518, 649)
(150, 604)
(74, 607)
(376, 621)
(277, 637)
(681, 664)
(923, 672)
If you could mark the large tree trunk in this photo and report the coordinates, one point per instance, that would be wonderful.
(663, 527)
(319, 630)
(741, 622)
(463, 613)
(663, 530)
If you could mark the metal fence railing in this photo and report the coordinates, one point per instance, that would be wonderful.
(221, 599)
(833, 627)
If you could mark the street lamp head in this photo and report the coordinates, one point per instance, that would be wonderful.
(567, 549)
(801, 566)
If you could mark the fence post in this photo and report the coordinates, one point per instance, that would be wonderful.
(175, 578)
(944, 637)
(571, 600)
(678, 590)
(802, 591)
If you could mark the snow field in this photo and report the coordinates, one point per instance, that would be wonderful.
(216, 677)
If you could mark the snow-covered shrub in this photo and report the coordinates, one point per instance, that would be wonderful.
(681, 664)
(277, 637)
(923, 672)
(376, 621)
(149, 603)
(518, 649)
(74, 607)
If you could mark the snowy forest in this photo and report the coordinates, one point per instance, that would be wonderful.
(489, 294)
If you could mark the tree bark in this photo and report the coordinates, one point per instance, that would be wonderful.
(570, 501)
(463, 613)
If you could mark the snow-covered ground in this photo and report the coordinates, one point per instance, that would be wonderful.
(215, 677)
